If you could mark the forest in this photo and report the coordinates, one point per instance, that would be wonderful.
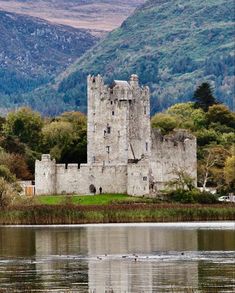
(25, 135)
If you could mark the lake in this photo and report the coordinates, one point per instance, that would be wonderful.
(138, 258)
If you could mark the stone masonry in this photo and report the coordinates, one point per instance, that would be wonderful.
(124, 154)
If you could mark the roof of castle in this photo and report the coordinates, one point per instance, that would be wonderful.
(121, 83)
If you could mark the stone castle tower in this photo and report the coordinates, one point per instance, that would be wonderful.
(124, 154)
(118, 121)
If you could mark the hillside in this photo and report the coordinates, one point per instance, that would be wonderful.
(97, 15)
(171, 45)
(33, 51)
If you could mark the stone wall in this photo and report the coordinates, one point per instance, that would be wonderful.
(138, 178)
(176, 151)
(54, 178)
(118, 121)
(45, 176)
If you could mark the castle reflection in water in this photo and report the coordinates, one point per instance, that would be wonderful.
(121, 258)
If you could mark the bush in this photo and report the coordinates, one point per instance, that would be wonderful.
(7, 193)
(193, 196)
(6, 174)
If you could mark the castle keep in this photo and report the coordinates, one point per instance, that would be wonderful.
(124, 154)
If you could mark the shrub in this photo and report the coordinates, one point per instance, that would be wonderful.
(7, 193)
(192, 196)
(6, 174)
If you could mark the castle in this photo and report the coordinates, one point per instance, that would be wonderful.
(124, 154)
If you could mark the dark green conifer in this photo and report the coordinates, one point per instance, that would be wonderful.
(203, 96)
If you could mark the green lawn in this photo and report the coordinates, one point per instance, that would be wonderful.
(86, 200)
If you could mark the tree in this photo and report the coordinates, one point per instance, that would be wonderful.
(210, 168)
(2, 121)
(229, 171)
(187, 116)
(221, 114)
(165, 122)
(203, 96)
(26, 125)
(57, 137)
(16, 164)
(182, 180)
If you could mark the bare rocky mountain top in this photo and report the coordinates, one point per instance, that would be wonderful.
(97, 15)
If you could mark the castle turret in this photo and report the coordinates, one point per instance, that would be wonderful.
(45, 176)
(134, 81)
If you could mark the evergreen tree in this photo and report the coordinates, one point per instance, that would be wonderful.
(203, 96)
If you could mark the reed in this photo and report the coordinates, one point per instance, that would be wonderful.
(114, 213)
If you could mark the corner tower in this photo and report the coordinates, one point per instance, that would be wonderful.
(118, 121)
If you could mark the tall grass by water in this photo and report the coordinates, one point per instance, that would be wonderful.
(114, 213)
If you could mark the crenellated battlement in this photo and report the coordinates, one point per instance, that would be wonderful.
(63, 168)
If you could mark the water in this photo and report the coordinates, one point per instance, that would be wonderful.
(197, 257)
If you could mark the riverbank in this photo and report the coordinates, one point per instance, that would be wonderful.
(114, 213)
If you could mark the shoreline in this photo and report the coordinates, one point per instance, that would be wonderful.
(115, 214)
(190, 225)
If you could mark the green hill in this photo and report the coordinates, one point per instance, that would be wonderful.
(33, 51)
(173, 45)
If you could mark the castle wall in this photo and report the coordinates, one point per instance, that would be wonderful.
(118, 121)
(112, 178)
(45, 176)
(176, 151)
(52, 178)
(138, 178)
(68, 179)
(107, 123)
(139, 138)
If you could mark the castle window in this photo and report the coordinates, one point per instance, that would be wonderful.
(108, 149)
(145, 178)
(113, 113)
(145, 110)
(111, 102)
(108, 129)
(146, 146)
(104, 133)
(93, 158)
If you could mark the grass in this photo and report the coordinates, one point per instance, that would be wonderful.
(108, 208)
(103, 199)
(130, 212)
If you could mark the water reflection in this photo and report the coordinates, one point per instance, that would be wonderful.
(117, 259)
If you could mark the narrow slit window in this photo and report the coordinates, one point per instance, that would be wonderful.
(108, 129)
(112, 113)
(146, 146)
(108, 149)
(145, 110)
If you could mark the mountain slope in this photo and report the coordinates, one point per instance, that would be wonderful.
(104, 15)
(32, 51)
(172, 45)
